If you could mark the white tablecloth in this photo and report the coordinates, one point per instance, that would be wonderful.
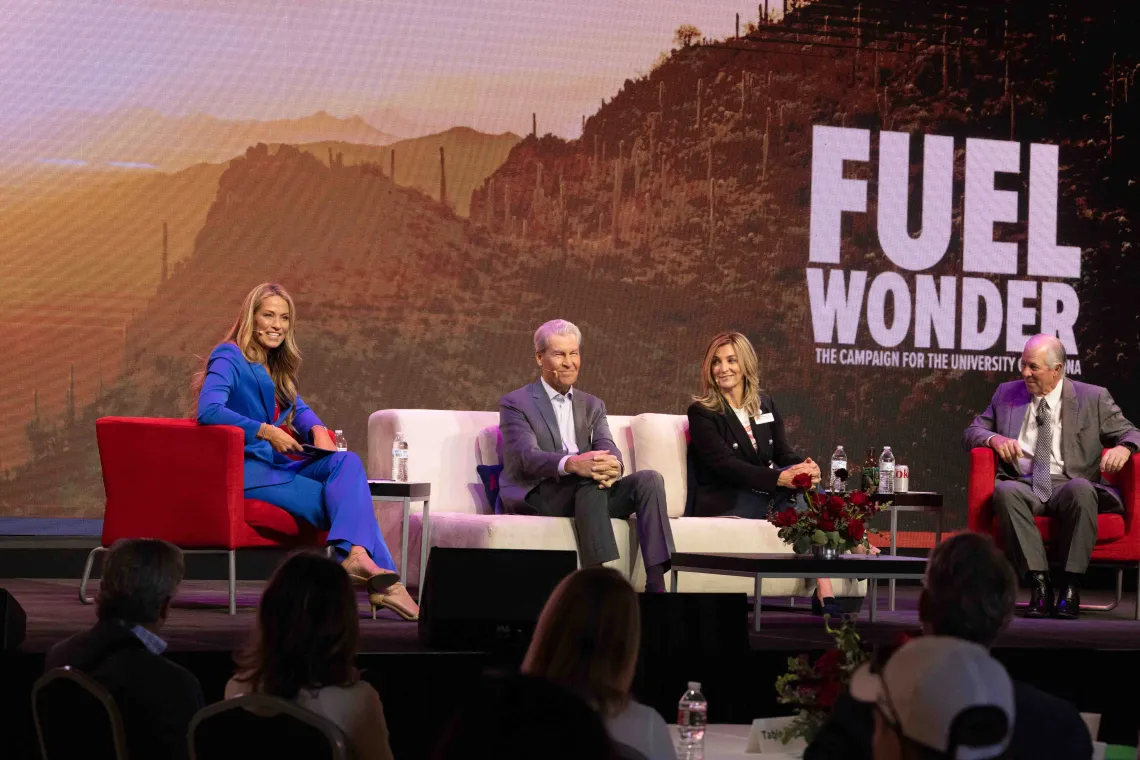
(724, 741)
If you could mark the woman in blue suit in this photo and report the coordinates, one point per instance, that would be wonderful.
(250, 381)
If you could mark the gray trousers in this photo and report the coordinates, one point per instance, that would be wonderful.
(1073, 507)
(591, 507)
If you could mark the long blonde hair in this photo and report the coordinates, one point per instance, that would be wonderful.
(588, 637)
(282, 363)
(710, 397)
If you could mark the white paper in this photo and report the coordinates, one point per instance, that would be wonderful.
(765, 738)
(765, 418)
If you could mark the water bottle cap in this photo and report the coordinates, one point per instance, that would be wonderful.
(694, 685)
(338, 432)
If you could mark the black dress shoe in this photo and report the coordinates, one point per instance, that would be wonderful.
(827, 607)
(1040, 596)
(1068, 600)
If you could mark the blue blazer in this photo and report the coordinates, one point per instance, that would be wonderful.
(239, 392)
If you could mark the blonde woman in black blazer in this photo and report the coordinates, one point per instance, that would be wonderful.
(742, 463)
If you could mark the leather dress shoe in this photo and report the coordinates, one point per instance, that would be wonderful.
(1068, 606)
(1040, 596)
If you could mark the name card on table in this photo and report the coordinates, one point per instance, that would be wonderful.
(764, 738)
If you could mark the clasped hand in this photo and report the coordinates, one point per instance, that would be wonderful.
(808, 466)
(601, 466)
(1113, 460)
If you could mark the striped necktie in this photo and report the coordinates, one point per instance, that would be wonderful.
(1042, 480)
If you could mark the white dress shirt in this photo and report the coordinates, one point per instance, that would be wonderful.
(1027, 439)
(564, 413)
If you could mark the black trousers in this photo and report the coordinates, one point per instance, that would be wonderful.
(1073, 507)
(755, 505)
(592, 507)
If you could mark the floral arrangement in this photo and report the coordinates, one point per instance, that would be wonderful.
(839, 521)
(814, 686)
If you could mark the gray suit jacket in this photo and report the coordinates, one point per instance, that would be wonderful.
(1090, 422)
(532, 445)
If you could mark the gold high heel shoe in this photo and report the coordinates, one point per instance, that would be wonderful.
(397, 599)
(375, 583)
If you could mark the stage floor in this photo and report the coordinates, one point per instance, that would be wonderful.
(199, 622)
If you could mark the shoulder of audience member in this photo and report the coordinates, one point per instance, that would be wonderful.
(1048, 718)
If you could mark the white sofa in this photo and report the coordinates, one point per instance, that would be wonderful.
(444, 448)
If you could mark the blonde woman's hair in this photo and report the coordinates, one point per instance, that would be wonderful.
(282, 363)
(710, 397)
(588, 637)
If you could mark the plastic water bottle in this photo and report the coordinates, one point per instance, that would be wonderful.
(341, 443)
(838, 462)
(692, 716)
(400, 459)
(886, 471)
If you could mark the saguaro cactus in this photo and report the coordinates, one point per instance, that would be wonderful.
(165, 255)
(442, 178)
(700, 91)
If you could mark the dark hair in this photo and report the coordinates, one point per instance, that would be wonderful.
(587, 637)
(525, 717)
(307, 629)
(140, 576)
(970, 589)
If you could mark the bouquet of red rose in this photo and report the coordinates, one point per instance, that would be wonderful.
(814, 686)
(839, 521)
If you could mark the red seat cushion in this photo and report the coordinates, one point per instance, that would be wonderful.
(1109, 527)
(275, 525)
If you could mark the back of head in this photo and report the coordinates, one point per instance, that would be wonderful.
(525, 717)
(970, 589)
(140, 577)
(587, 637)
(307, 629)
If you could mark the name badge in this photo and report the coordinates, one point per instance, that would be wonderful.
(765, 418)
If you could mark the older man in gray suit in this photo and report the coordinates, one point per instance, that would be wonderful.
(560, 460)
(1049, 433)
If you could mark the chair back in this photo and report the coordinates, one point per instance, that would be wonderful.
(76, 717)
(257, 725)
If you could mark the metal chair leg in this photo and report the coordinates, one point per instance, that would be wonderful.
(1116, 601)
(87, 566)
(233, 581)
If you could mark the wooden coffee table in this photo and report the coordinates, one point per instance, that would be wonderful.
(788, 565)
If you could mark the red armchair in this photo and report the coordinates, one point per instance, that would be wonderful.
(1118, 536)
(176, 480)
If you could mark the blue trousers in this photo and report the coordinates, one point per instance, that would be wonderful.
(332, 494)
(755, 506)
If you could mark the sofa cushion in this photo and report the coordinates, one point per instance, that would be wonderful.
(661, 443)
(504, 532)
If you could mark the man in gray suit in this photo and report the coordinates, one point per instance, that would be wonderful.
(560, 460)
(1049, 433)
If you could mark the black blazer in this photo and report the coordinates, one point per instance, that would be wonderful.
(724, 460)
(156, 697)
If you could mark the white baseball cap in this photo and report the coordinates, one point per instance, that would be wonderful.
(929, 682)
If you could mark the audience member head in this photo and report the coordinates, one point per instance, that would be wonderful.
(140, 577)
(938, 697)
(729, 362)
(587, 638)
(557, 351)
(525, 717)
(970, 590)
(307, 629)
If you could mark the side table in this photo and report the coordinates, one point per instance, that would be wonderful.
(406, 493)
(909, 501)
